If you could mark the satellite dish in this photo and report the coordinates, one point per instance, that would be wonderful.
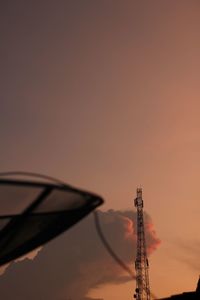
(33, 213)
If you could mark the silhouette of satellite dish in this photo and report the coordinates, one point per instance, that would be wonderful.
(33, 213)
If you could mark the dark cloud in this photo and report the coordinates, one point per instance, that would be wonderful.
(70, 266)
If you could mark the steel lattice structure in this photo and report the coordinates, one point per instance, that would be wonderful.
(142, 291)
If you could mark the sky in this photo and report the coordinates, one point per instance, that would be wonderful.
(76, 263)
(105, 96)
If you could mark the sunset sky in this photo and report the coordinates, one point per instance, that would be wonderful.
(105, 94)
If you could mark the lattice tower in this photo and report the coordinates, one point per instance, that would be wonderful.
(142, 291)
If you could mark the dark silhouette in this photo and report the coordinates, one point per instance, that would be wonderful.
(33, 213)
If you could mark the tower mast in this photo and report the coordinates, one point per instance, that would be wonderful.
(142, 291)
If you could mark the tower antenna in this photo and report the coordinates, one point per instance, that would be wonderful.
(142, 291)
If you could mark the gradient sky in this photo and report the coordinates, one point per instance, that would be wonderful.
(104, 94)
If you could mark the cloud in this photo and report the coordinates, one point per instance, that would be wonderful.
(71, 265)
(31, 255)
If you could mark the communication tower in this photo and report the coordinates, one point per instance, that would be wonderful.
(142, 291)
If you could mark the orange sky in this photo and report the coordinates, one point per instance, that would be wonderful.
(105, 95)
